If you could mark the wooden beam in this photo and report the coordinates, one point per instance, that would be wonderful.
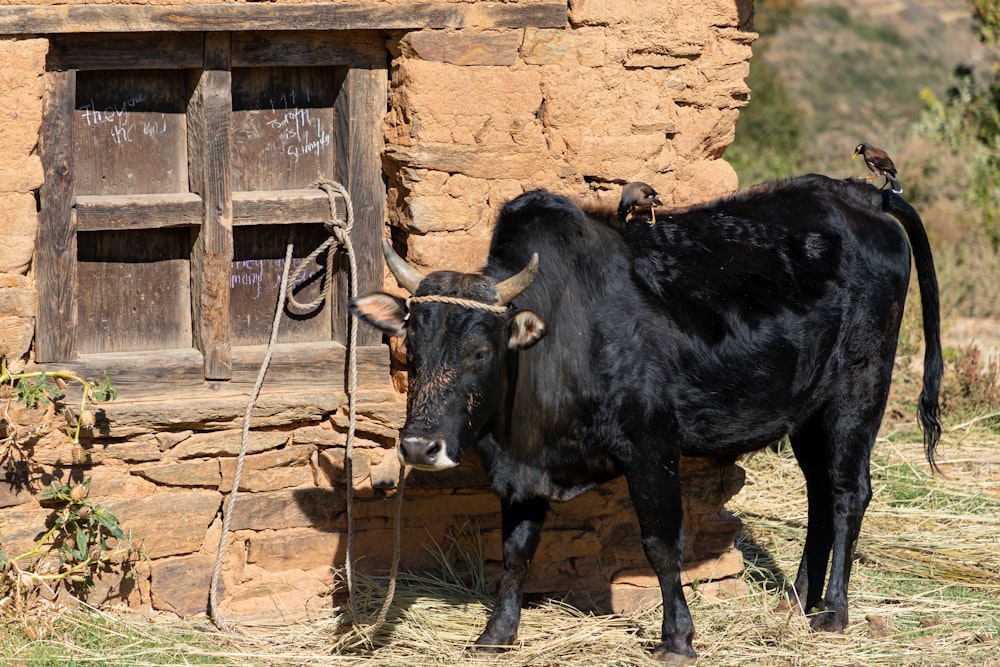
(360, 109)
(125, 51)
(185, 209)
(284, 207)
(308, 48)
(154, 211)
(49, 19)
(55, 243)
(209, 169)
(166, 390)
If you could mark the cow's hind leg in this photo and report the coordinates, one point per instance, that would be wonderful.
(521, 526)
(835, 460)
(850, 481)
(654, 484)
(812, 451)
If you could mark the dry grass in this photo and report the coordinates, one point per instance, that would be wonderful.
(925, 591)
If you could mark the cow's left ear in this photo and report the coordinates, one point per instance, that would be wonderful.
(526, 329)
(383, 311)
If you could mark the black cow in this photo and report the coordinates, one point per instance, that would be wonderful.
(714, 332)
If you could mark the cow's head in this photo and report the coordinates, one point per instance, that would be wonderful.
(459, 328)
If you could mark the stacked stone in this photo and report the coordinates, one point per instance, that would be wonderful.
(22, 62)
(628, 92)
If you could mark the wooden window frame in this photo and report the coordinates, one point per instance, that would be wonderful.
(213, 364)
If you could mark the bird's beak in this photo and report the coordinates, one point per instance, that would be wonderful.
(856, 153)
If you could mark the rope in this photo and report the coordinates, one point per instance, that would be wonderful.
(456, 301)
(227, 514)
(340, 233)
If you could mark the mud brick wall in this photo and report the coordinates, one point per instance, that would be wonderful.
(477, 114)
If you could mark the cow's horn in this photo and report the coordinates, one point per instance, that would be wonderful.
(406, 275)
(509, 289)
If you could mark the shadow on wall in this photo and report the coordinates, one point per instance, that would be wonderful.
(590, 545)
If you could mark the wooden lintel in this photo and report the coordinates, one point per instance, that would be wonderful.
(54, 19)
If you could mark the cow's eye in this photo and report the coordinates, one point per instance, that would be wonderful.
(478, 356)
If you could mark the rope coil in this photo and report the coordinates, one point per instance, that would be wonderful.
(339, 233)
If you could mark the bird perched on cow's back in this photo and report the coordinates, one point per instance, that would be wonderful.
(638, 196)
(880, 164)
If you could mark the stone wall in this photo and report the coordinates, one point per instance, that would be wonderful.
(627, 91)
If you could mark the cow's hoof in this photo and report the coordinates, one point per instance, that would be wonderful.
(668, 657)
(484, 654)
(828, 621)
(478, 648)
(490, 645)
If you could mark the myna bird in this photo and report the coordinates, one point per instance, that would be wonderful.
(880, 164)
(638, 195)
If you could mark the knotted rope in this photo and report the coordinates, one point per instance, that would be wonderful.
(339, 233)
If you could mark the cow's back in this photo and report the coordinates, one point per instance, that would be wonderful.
(736, 318)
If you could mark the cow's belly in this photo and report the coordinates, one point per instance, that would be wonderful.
(556, 473)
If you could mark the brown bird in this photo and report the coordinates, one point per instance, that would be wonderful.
(638, 195)
(880, 164)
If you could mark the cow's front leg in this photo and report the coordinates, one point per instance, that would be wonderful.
(522, 526)
(654, 484)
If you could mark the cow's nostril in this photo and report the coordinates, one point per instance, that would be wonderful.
(434, 449)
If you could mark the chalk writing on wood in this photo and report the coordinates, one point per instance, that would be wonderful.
(130, 133)
(121, 122)
(300, 130)
(264, 276)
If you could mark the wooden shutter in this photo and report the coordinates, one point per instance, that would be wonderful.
(176, 166)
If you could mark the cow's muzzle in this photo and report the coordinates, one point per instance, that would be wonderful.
(425, 453)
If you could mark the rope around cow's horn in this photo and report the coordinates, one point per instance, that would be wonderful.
(339, 232)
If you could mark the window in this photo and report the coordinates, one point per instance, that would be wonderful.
(176, 164)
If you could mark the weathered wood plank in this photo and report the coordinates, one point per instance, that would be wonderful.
(360, 109)
(258, 263)
(178, 369)
(308, 48)
(129, 135)
(104, 51)
(135, 290)
(46, 19)
(165, 390)
(282, 125)
(285, 207)
(185, 209)
(55, 245)
(130, 212)
(209, 164)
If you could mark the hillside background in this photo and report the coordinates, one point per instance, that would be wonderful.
(920, 79)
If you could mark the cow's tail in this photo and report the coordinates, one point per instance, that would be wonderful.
(928, 408)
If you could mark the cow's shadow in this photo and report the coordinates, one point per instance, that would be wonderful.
(760, 566)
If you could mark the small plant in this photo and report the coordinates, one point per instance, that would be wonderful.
(81, 539)
(40, 388)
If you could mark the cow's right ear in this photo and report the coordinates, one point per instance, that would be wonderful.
(383, 311)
